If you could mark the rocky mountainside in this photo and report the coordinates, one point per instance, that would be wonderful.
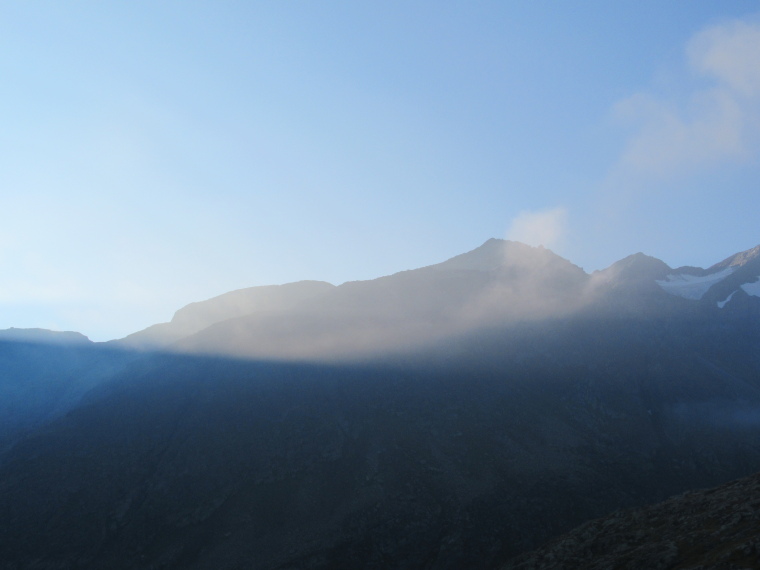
(714, 528)
(451, 416)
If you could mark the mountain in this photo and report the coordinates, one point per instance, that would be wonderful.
(633, 273)
(195, 317)
(44, 374)
(451, 416)
(719, 283)
(499, 282)
(711, 528)
(43, 336)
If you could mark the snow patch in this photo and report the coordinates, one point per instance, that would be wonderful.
(694, 286)
(722, 304)
(752, 288)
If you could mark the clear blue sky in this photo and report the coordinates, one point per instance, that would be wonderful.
(154, 153)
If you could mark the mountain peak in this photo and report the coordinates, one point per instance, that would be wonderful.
(637, 266)
(738, 259)
(497, 254)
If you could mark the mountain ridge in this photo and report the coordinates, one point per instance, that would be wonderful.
(507, 280)
(196, 316)
(540, 398)
(39, 335)
(498, 282)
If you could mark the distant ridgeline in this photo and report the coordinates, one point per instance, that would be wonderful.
(451, 416)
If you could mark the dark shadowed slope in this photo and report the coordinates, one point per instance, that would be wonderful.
(716, 528)
(459, 460)
(43, 374)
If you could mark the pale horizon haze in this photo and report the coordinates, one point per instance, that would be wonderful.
(153, 154)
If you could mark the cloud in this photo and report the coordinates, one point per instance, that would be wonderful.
(716, 122)
(730, 53)
(546, 227)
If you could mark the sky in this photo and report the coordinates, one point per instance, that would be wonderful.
(156, 153)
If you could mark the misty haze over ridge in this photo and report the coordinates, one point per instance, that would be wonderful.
(499, 283)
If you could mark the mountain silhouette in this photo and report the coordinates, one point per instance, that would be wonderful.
(451, 416)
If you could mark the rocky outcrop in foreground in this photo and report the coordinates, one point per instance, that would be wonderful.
(715, 528)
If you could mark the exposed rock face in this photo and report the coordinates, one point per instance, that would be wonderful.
(709, 529)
